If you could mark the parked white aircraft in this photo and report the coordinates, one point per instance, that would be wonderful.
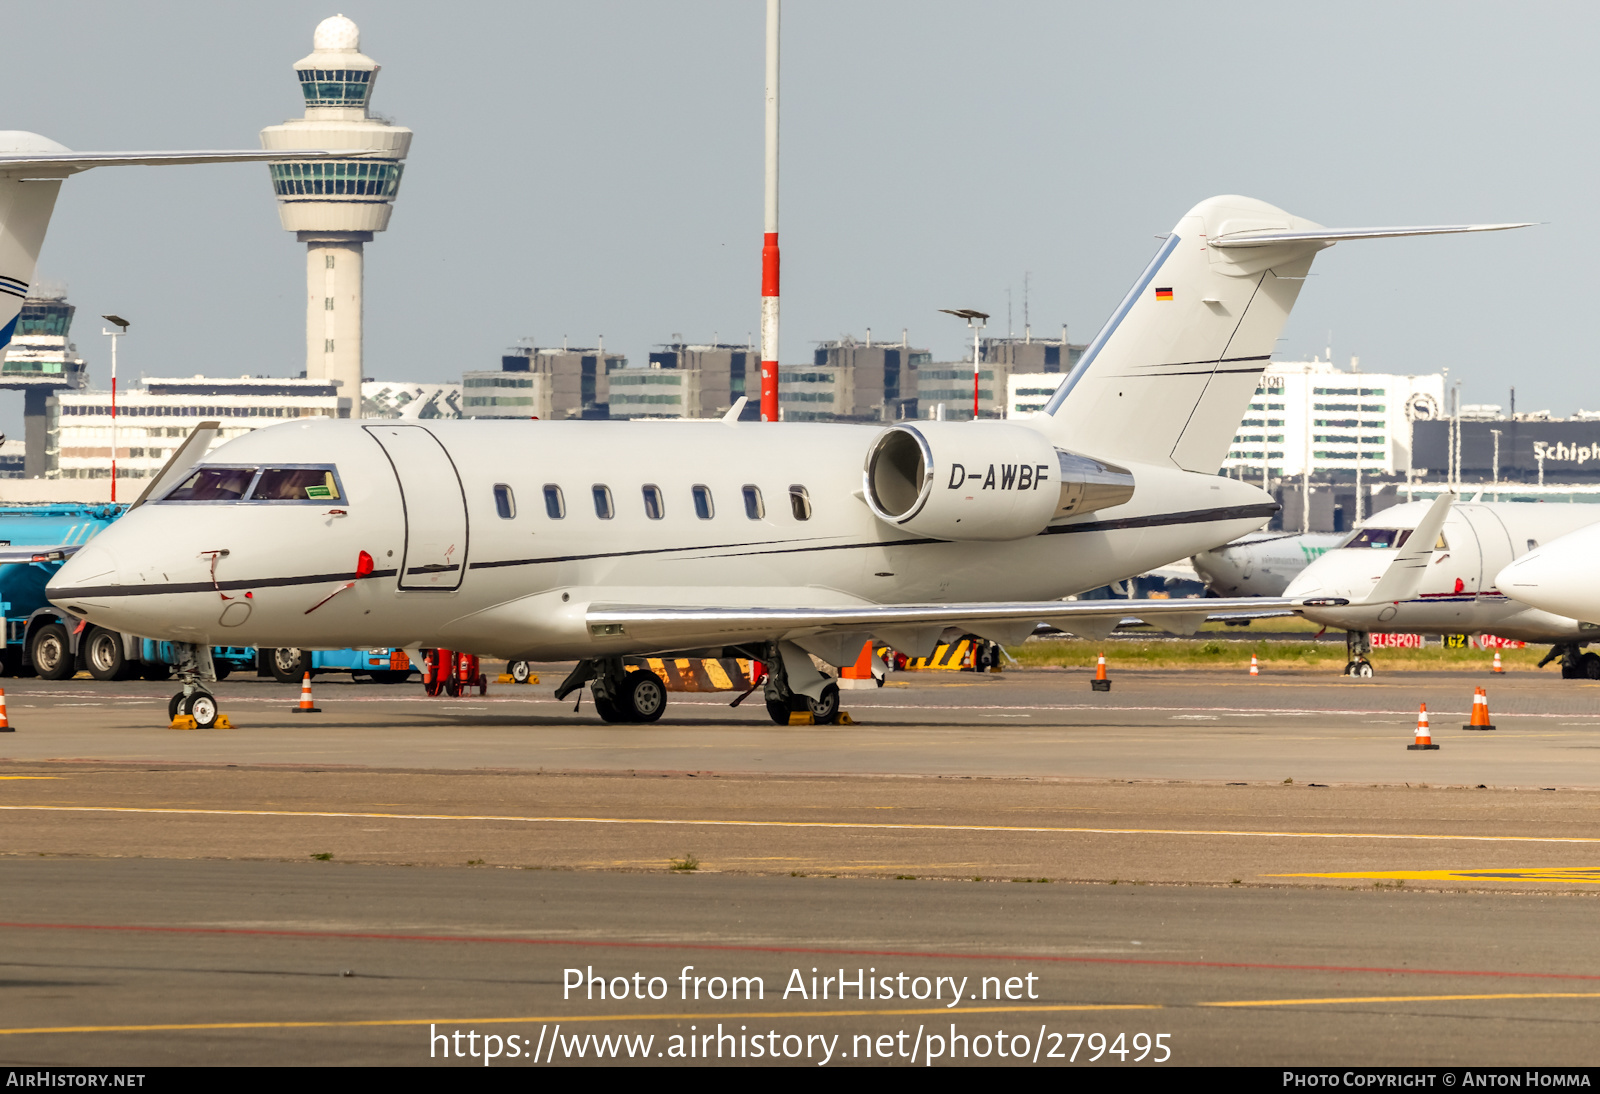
(1461, 592)
(1261, 563)
(600, 541)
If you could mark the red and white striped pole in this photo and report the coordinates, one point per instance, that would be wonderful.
(769, 241)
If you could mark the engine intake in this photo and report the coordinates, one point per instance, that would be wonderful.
(989, 481)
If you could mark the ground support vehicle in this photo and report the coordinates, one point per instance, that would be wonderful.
(288, 665)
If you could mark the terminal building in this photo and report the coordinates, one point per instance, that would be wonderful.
(689, 380)
(851, 381)
(545, 383)
(155, 416)
(1313, 413)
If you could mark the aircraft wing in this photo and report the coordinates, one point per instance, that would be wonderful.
(62, 164)
(909, 626)
(25, 553)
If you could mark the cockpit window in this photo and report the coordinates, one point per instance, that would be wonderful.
(1379, 537)
(296, 484)
(214, 484)
(1388, 538)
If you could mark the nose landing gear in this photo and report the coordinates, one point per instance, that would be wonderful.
(195, 701)
(1357, 645)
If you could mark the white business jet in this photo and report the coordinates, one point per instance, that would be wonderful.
(1261, 563)
(1462, 591)
(600, 541)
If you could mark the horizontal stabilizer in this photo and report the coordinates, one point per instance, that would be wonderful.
(1330, 236)
(61, 164)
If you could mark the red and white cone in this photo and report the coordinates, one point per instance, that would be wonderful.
(1100, 681)
(1255, 669)
(1497, 666)
(1424, 741)
(306, 706)
(5, 724)
(1480, 711)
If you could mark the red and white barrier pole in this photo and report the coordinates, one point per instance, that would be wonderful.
(769, 241)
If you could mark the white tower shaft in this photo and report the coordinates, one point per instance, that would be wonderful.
(333, 315)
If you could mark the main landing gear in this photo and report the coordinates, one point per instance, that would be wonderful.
(1357, 645)
(194, 668)
(1575, 664)
(783, 701)
(620, 694)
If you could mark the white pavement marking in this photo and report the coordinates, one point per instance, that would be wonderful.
(1046, 829)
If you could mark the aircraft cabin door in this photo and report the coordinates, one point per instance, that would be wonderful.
(434, 505)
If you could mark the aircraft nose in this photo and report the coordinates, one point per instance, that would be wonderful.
(94, 565)
(1540, 577)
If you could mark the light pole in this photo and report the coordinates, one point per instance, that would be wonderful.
(1496, 433)
(122, 325)
(975, 321)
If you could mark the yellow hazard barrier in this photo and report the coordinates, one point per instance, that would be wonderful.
(954, 656)
(700, 673)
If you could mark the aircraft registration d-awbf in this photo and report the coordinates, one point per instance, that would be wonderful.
(601, 541)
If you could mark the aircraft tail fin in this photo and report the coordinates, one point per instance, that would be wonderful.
(1170, 375)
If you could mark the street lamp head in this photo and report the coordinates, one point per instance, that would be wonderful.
(118, 320)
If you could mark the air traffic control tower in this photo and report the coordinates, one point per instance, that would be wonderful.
(335, 206)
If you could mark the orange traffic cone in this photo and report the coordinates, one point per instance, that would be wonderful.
(1424, 741)
(5, 726)
(1100, 682)
(1480, 711)
(1497, 667)
(1255, 669)
(306, 706)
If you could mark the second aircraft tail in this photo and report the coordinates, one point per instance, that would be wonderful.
(1170, 375)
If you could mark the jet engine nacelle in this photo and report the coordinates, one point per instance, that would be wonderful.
(983, 480)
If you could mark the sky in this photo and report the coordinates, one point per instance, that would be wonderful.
(595, 169)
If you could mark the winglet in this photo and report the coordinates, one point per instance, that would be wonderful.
(189, 453)
(1401, 580)
(732, 416)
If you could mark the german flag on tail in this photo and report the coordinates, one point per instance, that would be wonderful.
(1163, 294)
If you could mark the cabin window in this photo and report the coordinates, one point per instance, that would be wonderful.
(602, 502)
(504, 502)
(753, 508)
(654, 507)
(799, 502)
(702, 502)
(296, 484)
(214, 484)
(555, 506)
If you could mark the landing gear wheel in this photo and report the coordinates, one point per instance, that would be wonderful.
(51, 653)
(103, 652)
(644, 696)
(1362, 669)
(202, 707)
(607, 710)
(825, 711)
(1589, 667)
(173, 705)
(289, 665)
(778, 712)
(520, 671)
